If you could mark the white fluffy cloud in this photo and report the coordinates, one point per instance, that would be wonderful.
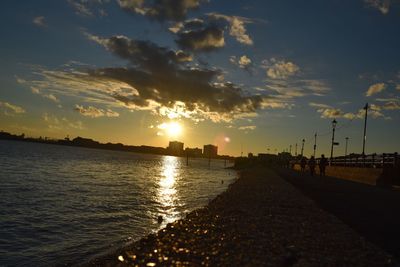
(94, 112)
(49, 96)
(10, 109)
(328, 112)
(375, 88)
(390, 103)
(243, 61)
(280, 69)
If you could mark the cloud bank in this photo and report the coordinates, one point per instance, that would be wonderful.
(157, 79)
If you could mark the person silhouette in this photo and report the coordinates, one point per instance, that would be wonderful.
(322, 165)
(303, 163)
(311, 165)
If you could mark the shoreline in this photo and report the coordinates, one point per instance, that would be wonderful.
(260, 219)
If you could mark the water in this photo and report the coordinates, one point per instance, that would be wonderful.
(64, 205)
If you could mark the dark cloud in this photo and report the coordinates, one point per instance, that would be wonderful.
(143, 54)
(205, 39)
(236, 25)
(161, 76)
(208, 33)
(161, 10)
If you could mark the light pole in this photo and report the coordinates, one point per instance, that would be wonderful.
(345, 151)
(295, 152)
(365, 130)
(334, 122)
(290, 149)
(302, 147)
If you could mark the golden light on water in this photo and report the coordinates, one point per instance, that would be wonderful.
(166, 193)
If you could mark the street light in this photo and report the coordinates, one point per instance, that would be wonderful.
(365, 130)
(302, 147)
(345, 151)
(334, 123)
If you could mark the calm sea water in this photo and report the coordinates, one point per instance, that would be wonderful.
(64, 205)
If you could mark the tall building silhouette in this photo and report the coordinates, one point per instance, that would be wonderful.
(175, 148)
(210, 151)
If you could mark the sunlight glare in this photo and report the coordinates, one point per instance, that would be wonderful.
(167, 193)
(173, 129)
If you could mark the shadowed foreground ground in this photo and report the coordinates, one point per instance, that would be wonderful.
(260, 220)
(372, 211)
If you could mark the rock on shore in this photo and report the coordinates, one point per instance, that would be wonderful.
(261, 220)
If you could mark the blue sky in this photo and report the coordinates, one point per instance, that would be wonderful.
(257, 75)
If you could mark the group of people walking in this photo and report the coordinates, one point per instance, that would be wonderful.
(312, 163)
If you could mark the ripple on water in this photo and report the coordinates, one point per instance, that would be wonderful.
(66, 204)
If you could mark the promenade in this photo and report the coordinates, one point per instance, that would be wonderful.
(261, 220)
(372, 211)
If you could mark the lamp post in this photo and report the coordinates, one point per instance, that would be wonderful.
(365, 131)
(290, 149)
(302, 147)
(345, 151)
(334, 122)
(295, 152)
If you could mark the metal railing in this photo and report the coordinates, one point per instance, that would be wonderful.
(385, 160)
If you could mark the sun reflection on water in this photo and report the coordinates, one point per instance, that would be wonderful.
(166, 192)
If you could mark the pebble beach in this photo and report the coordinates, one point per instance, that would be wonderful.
(260, 220)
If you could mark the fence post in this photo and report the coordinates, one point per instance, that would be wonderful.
(395, 160)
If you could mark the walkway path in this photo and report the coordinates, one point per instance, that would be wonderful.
(372, 211)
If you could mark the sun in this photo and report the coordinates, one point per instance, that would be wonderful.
(172, 129)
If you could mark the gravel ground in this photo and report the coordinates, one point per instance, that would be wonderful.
(261, 220)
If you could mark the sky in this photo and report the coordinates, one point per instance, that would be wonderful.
(249, 76)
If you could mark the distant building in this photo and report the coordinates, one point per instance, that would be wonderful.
(210, 151)
(175, 148)
(250, 155)
(193, 152)
(86, 142)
